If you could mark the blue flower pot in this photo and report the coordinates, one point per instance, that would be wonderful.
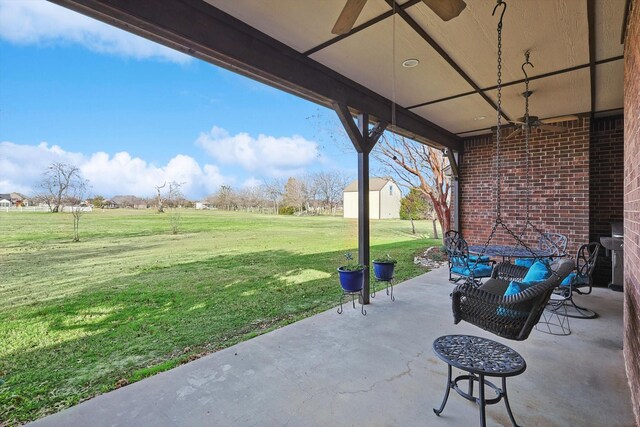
(383, 270)
(351, 281)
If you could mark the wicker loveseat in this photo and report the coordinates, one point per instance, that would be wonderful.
(510, 317)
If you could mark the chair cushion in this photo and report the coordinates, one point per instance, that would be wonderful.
(481, 270)
(524, 262)
(578, 281)
(483, 258)
(459, 260)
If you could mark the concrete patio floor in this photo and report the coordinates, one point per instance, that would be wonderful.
(378, 370)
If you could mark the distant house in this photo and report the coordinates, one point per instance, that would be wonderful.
(109, 204)
(384, 199)
(19, 200)
(5, 200)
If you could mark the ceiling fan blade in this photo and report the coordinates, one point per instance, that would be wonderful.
(348, 16)
(560, 119)
(514, 133)
(446, 9)
(551, 128)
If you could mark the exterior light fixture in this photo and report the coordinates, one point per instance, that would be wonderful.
(410, 63)
(479, 118)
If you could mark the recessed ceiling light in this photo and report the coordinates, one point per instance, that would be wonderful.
(479, 118)
(410, 63)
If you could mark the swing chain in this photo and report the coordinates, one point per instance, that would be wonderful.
(527, 131)
(499, 109)
(527, 134)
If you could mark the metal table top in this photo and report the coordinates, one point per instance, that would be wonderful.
(479, 355)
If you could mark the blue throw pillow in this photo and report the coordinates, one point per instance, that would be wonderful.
(514, 288)
(538, 272)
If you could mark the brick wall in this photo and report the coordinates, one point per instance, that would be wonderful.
(606, 182)
(632, 205)
(559, 171)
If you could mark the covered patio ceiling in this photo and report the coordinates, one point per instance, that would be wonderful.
(454, 84)
(575, 46)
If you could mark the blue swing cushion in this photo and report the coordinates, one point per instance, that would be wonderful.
(524, 262)
(464, 268)
(538, 272)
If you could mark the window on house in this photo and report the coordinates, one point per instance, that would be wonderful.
(391, 190)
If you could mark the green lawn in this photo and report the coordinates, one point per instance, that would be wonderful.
(131, 299)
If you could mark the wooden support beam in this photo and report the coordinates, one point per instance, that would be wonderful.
(443, 54)
(591, 20)
(517, 82)
(359, 28)
(353, 132)
(363, 141)
(364, 237)
(453, 161)
(201, 30)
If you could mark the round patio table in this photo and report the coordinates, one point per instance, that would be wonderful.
(507, 251)
(481, 358)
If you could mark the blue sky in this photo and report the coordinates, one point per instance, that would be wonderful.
(132, 114)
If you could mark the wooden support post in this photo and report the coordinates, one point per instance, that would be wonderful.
(454, 161)
(363, 141)
(364, 240)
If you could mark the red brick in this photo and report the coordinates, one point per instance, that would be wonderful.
(632, 205)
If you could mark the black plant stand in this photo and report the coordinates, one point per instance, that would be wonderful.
(353, 300)
(388, 287)
(481, 358)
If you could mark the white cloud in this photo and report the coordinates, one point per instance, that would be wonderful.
(21, 168)
(40, 22)
(269, 155)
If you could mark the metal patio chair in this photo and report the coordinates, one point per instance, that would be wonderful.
(554, 243)
(580, 281)
(464, 266)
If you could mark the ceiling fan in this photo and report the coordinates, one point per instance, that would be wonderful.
(445, 9)
(536, 123)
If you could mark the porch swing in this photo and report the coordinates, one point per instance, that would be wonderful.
(510, 303)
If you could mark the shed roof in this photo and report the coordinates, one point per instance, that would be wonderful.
(375, 184)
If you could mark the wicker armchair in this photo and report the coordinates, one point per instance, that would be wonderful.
(510, 317)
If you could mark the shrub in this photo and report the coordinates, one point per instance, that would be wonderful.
(286, 210)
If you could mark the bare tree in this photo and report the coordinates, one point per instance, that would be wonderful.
(225, 198)
(159, 199)
(274, 189)
(76, 195)
(330, 186)
(418, 166)
(58, 182)
(295, 194)
(173, 200)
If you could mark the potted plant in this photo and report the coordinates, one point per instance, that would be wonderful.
(351, 275)
(383, 267)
